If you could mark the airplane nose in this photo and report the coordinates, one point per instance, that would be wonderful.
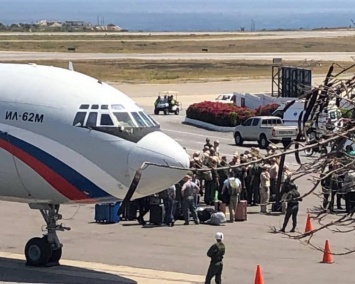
(158, 148)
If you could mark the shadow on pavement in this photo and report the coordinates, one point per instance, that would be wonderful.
(13, 270)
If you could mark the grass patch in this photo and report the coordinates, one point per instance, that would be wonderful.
(179, 45)
(166, 71)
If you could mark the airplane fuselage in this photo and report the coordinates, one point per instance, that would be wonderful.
(69, 138)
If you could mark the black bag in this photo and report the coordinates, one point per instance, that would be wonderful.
(156, 214)
(205, 214)
(276, 207)
(155, 200)
(130, 212)
(178, 213)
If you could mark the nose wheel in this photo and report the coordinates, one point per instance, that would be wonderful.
(46, 251)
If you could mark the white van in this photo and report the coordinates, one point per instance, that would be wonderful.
(293, 111)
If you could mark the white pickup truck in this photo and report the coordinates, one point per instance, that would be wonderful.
(265, 129)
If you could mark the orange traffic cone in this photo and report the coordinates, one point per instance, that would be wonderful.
(327, 255)
(258, 276)
(309, 226)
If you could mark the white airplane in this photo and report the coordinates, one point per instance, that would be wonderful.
(68, 138)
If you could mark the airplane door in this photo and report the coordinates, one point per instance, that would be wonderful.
(11, 185)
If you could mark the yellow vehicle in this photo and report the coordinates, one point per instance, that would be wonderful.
(167, 102)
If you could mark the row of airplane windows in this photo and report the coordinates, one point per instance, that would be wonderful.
(126, 119)
(113, 107)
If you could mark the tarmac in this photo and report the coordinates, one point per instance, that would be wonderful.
(126, 252)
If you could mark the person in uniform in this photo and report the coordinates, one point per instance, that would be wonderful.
(292, 199)
(188, 191)
(264, 188)
(254, 193)
(216, 147)
(208, 143)
(216, 253)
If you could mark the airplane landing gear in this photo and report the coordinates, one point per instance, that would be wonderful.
(46, 251)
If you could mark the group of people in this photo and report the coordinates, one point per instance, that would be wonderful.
(224, 183)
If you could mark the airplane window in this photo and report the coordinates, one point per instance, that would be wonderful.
(151, 119)
(95, 107)
(91, 119)
(146, 119)
(117, 107)
(124, 119)
(138, 119)
(84, 107)
(106, 119)
(104, 107)
(79, 119)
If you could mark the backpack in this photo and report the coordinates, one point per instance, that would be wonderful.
(233, 188)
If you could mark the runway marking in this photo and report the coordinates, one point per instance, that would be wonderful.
(195, 134)
(140, 275)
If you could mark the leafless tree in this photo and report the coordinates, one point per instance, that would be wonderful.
(339, 87)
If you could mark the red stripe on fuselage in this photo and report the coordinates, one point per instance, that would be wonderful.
(55, 180)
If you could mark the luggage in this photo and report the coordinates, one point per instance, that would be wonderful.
(276, 207)
(205, 214)
(107, 213)
(178, 213)
(155, 200)
(156, 214)
(218, 219)
(241, 211)
(130, 212)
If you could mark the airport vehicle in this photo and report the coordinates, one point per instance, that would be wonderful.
(226, 99)
(167, 103)
(293, 111)
(264, 129)
(68, 138)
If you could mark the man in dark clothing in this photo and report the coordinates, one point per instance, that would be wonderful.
(144, 207)
(254, 193)
(216, 253)
(208, 143)
(292, 199)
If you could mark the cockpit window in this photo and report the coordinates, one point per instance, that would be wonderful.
(154, 121)
(146, 119)
(117, 107)
(124, 119)
(95, 107)
(104, 107)
(91, 119)
(138, 119)
(106, 119)
(84, 106)
(79, 119)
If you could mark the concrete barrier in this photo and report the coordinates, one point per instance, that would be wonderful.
(208, 125)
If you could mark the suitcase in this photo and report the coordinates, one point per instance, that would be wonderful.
(276, 207)
(155, 200)
(156, 214)
(130, 212)
(241, 211)
(107, 212)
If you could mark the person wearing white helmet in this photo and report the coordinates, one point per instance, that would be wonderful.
(216, 253)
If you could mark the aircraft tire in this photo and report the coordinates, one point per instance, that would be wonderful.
(55, 257)
(37, 251)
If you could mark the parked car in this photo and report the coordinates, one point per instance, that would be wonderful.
(265, 129)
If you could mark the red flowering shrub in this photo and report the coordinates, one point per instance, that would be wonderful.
(266, 110)
(219, 113)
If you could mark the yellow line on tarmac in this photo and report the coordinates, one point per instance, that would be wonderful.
(140, 275)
